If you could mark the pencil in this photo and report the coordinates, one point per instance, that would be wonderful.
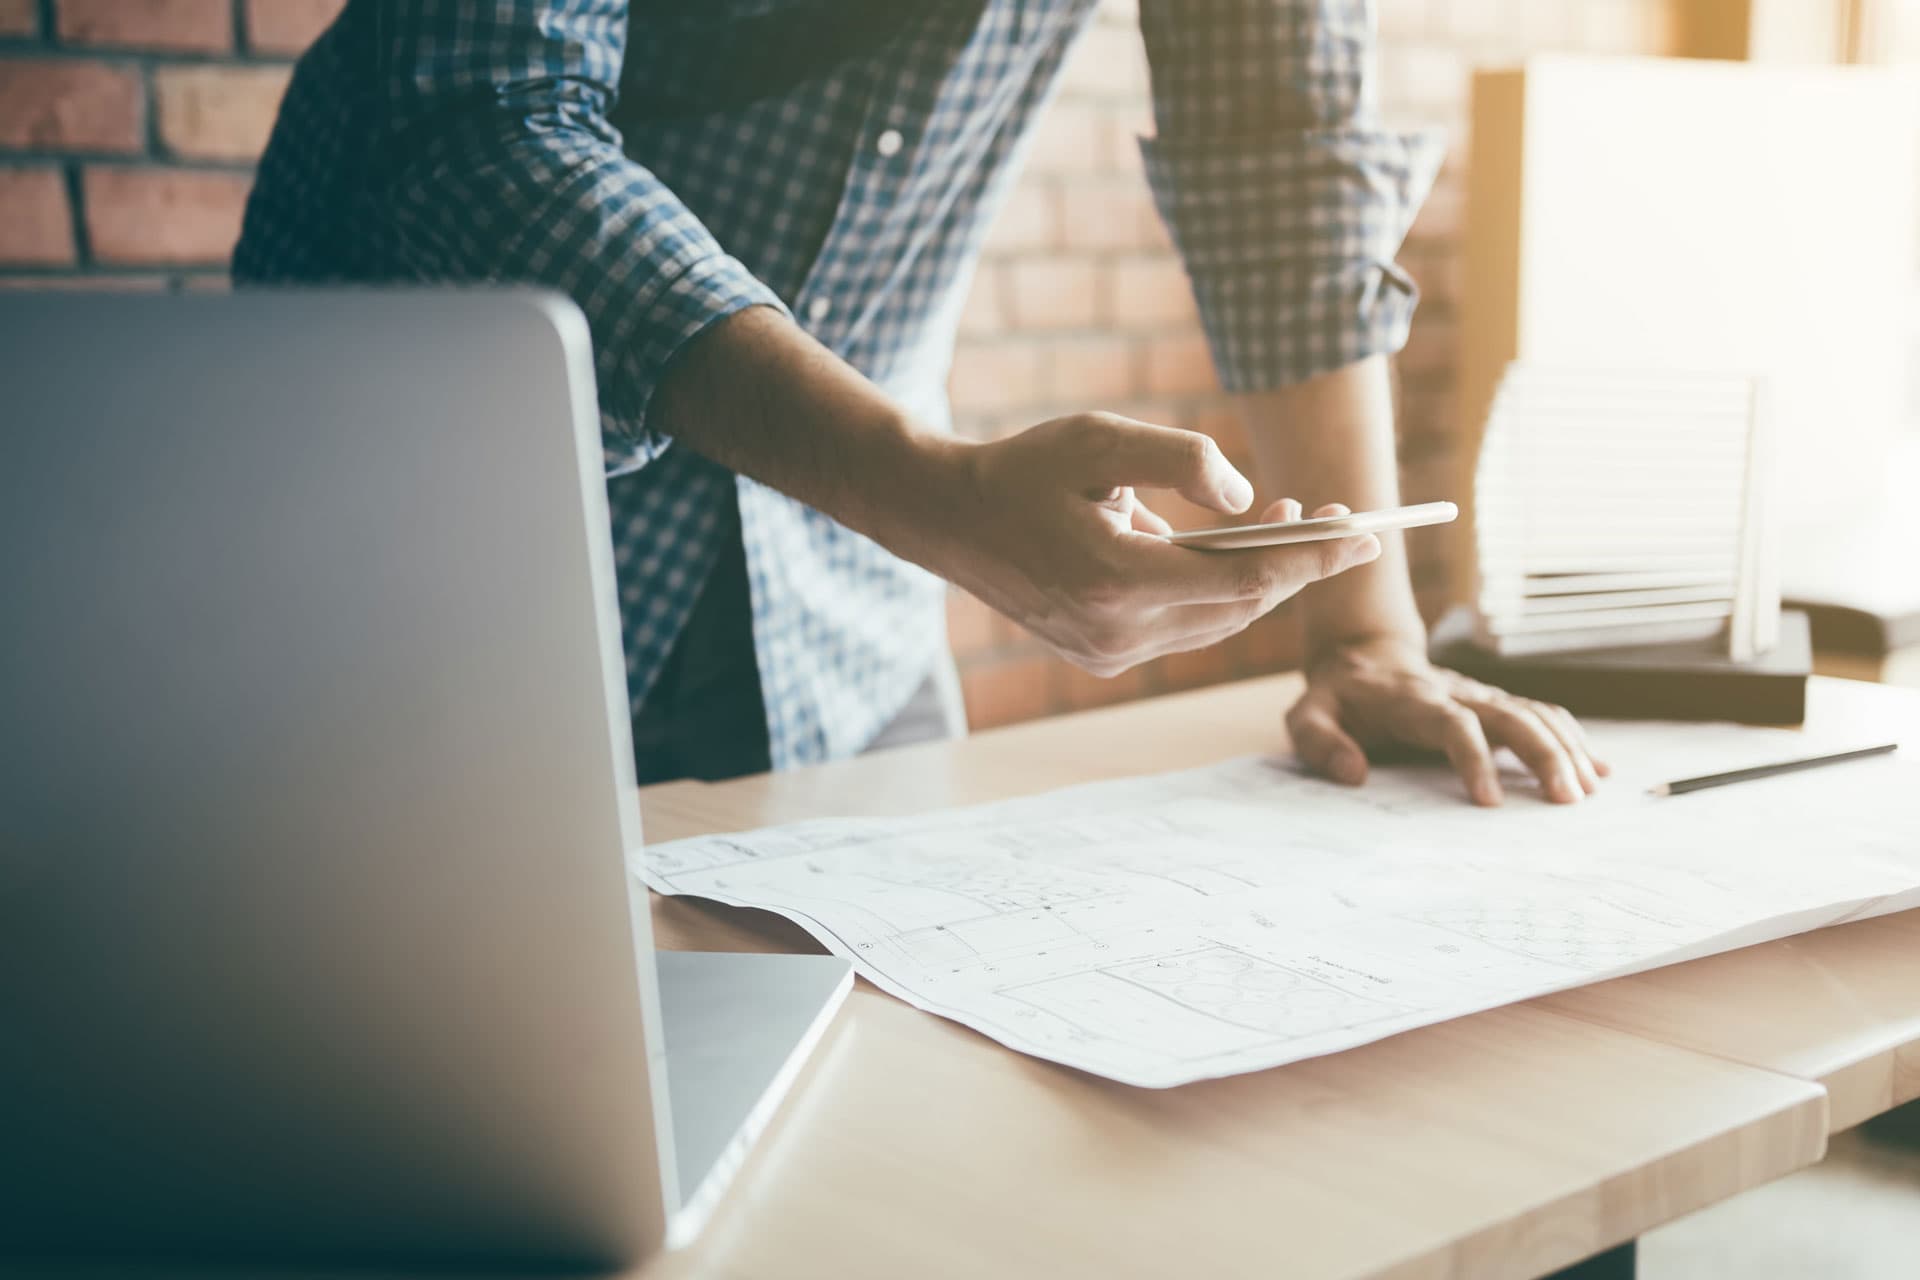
(1704, 781)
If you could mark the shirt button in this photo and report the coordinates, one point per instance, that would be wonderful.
(889, 143)
(819, 309)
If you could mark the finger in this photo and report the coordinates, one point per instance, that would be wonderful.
(1332, 509)
(1281, 512)
(1158, 572)
(1322, 745)
(1567, 730)
(1512, 724)
(1125, 452)
(1446, 725)
(1573, 732)
(1146, 520)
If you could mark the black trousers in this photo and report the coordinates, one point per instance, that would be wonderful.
(704, 717)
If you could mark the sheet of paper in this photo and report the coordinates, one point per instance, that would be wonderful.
(1171, 928)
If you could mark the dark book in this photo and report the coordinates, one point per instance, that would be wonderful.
(1695, 681)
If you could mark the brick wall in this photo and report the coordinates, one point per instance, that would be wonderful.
(127, 129)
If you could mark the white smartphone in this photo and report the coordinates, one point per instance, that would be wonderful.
(1316, 530)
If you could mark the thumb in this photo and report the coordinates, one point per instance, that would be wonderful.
(1150, 457)
(1322, 745)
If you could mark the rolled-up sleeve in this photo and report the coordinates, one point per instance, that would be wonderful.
(500, 165)
(1286, 198)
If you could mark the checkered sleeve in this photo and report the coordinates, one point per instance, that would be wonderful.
(1286, 197)
(501, 165)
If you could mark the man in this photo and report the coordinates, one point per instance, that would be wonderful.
(769, 211)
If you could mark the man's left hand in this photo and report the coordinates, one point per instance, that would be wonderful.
(1383, 692)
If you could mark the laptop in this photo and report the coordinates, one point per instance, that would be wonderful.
(317, 934)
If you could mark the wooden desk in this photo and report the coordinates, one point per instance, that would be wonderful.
(1840, 1007)
(1499, 1146)
(1505, 1144)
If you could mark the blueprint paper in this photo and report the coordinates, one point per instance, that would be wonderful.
(1172, 928)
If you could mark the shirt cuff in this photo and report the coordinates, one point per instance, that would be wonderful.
(1291, 247)
(663, 316)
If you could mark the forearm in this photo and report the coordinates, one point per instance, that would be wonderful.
(758, 395)
(1041, 525)
(1331, 439)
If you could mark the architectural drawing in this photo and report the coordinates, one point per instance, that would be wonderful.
(1172, 928)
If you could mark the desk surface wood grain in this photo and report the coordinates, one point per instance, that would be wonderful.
(1505, 1144)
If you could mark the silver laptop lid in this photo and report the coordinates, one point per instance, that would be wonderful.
(315, 785)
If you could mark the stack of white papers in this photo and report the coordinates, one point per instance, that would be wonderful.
(1166, 929)
(1619, 509)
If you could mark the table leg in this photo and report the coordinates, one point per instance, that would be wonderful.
(1619, 1263)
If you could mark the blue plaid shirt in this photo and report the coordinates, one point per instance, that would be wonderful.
(669, 162)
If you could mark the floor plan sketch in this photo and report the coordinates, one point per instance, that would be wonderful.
(1580, 939)
(1171, 928)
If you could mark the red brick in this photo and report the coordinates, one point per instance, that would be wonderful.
(1052, 293)
(972, 627)
(981, 314)
(68, 105)
(1197, 667)
(1180, 365)
(1029, 219)
(203, 26)
(1110, 214)
(83, 284)
(994, 376)
(1151, 293)
(1093, 371)
(19, 17)
(1274, 643)
(288, 26)
(217, 113)
(178, 216)
(1071, 138)
(36, 226)
(1007, 691)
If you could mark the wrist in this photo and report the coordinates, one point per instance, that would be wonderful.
(1396, 640)
(916, 486)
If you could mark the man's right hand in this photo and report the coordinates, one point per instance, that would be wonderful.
(1045, 527)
